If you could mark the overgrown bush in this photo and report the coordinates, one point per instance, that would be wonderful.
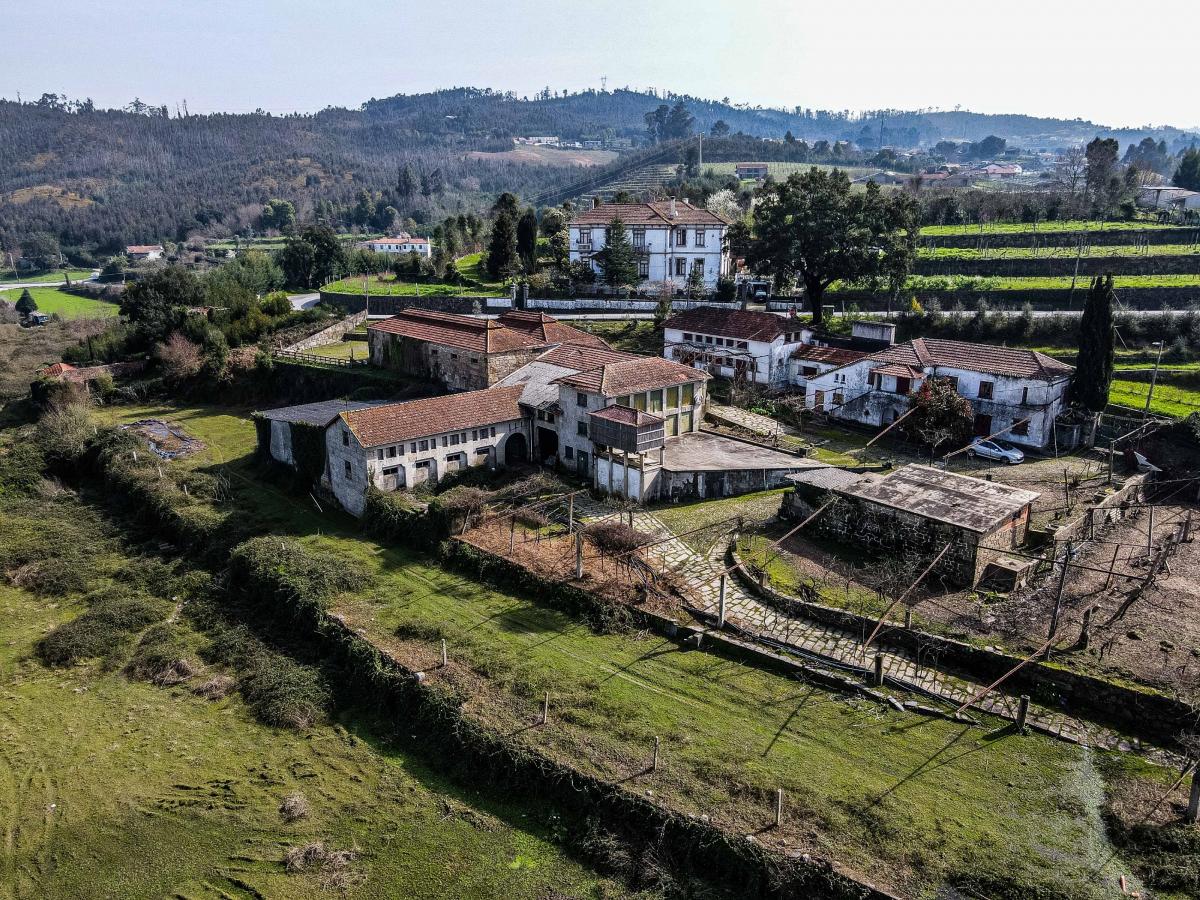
(104, 630)
(285, 693)
(161, 656)
(614, 538)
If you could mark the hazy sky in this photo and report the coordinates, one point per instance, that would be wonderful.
(1093, 59)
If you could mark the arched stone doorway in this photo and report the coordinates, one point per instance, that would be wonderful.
(516, 450)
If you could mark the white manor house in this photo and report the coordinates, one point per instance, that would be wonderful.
(671, 238)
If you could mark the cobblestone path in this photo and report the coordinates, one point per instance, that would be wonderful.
(836, 648)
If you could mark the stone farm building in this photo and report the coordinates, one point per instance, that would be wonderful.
(466, 353)
(918, 510)
(280, 430)
(1021, 392)
(628, 425)
(670, 239)
(397, 445)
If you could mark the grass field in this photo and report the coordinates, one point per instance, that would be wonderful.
(116, 788)
(1044, 227)
(68, 306)
(633, 336)
(904, 799)
(9, 276)
(1096, 251)
(342, 350)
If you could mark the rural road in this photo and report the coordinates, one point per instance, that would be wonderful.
(305, 301)
(16, 285)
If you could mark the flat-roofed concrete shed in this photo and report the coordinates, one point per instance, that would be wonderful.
(919, 510)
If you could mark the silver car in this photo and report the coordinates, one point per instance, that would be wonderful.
(997, 450)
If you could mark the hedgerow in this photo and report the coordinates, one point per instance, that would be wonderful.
(105, 630)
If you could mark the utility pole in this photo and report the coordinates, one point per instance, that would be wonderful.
(700, 165)
(1153, 378)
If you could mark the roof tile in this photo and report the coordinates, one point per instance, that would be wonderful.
(395, 422)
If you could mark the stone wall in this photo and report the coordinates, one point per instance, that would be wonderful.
(1136, 711)
(330, 335)
(389, 305)
(1109, 510)
(1062, 265)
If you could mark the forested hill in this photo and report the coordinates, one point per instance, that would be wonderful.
(103, 178)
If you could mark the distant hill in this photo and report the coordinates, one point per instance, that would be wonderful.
(99, 179)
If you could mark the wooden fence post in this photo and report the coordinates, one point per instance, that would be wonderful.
(545, 709)
(578, 554)
(1193, 808)
(1062, 586)
(654, 759)
(445, 660)
(721, 602)
(879, 669)
(778, 807)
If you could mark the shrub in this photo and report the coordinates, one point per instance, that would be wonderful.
(64, 431)
(112, 618)
(161, 657)
(285, 694)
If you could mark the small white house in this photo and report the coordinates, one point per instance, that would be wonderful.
(671, 239)
(401, 243)
(1020, 392)
(136, 252)
(734, 343)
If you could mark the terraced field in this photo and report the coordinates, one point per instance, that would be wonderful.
(1044, 227)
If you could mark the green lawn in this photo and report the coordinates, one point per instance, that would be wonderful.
(69, 306)
(10, 276)
(1096, 251)
(388, 285)
(907, 800)
(1043, 227)
(342, 350)
(1168, 400)
(632, 336)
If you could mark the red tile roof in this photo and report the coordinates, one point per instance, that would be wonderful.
(631, 376)
(745, 324)
(143, 248)
(896, 370)
(1012, 361)
(59, 368)
(517, 332)
(581, 358)
(830, 355)
(395, 422)
(399, 240)
(656, 213)
(549, 329)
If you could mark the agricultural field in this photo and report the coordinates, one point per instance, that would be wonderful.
(780, 170)
(548, 156)
(63, 304)
(1047, 227)
(1168, 399)
(342, 350)
(1096, 251)
(10, 277)
(990, 811)
(25, 350)
(969, 283)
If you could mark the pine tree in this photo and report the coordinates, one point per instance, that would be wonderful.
(1094, 368)
(617, 259)
(502, 250)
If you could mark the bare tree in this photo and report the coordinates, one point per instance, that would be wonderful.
(1072, 166)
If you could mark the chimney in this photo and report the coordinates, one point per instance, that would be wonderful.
(595, 203)
(673, 212)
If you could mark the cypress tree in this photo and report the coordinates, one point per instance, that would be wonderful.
(26, 304)
(1094, 368)
(502, 251)
(617, 258)
(527, 233)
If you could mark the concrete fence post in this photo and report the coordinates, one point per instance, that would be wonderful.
(545, 709)
(908, 618)
(721, 603)
(654, 759)
(1022, 712)
(778, 807)
(1193, 808)
(879, 670)
(445, 660)
(578, 554)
